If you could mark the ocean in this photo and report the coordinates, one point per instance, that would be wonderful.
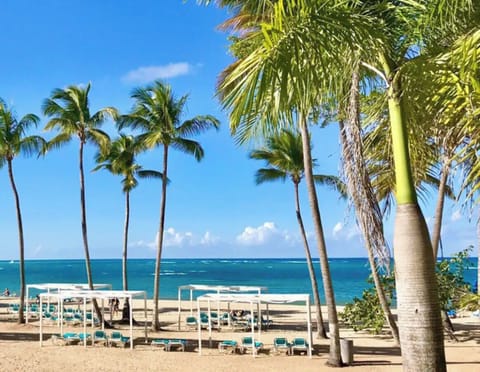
(349, 275)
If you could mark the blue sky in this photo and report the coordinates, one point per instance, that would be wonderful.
(214, 209)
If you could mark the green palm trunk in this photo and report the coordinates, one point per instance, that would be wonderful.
(21, 318)
(420, 323)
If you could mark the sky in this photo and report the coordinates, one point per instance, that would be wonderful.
(214, 208)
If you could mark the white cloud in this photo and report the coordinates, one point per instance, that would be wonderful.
(337, 229)
(209, 239)
(266, 233)
(456, 215)
(147, 74)
(172, 238)
(340, 231)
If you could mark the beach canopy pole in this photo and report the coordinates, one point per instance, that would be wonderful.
(199, 329)
(180, 307)
(41, 328)
(309, 328)
(85, 322)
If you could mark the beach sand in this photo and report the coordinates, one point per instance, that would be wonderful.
(20, 348)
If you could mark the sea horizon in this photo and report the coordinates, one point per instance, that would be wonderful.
(279, 275)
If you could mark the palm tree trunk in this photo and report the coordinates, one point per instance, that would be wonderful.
(437, 227)
(84, 229)
(156, 286)
(334, 358)
(21, 318)
(360, 188)
(419, 318)
(311, 271)
(125, 240)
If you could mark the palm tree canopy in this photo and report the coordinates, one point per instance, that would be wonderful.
(13, 139)
(69, 110)
(283, 153)
(157, 113)
(119, 159)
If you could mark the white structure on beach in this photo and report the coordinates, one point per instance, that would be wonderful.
(255, 300)
(58, 287)
(215, 289)
(90, 295)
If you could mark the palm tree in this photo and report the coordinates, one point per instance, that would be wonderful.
(12, 143)
(157, 113)
(69, 110)
(298, 62)
(119, 159)
(361, 192)
(283, 154)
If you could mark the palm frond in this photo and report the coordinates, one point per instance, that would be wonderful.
(269, 175)
(189, 147)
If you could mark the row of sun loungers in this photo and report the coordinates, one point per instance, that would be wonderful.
(98, 337)
(241, 324)
(169, 344)
(280, 344)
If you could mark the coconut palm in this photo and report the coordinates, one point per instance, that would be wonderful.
(69, 112)
(119, 159)
(362, 194)
(300, 61)
(13, 142)
(158, 114)
(283, 154)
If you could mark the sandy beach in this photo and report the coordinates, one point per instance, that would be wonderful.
(20, 348)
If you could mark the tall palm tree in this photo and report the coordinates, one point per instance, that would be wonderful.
(13, 142)
(369, 216)
(299, 63)
(119, 159)
(69, 110)
(158, 114)
(283, 153)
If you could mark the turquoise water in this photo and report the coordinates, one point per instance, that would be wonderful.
(279, 275)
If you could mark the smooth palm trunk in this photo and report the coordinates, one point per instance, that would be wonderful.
(419, 318)
(156, 286)
(21, 318)
(125, 240)
(311, 271)
(334, 358)
(84, 230)
(360, 188)
(437, 227)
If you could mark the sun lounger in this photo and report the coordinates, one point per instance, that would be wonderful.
(85, 336)
(176, 344)
(160, 342)
(281, 344)
(116, 338)
(247, 344)
(228, 346)
(299, 344)
(191, 322)
(240, 325)
(71, 338)
(100, 337)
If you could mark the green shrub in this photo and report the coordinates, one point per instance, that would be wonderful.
(365, 313)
